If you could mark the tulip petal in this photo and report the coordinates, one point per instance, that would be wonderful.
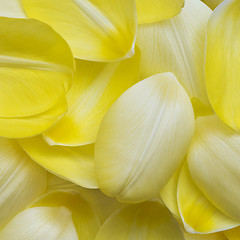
(157, 10)
(11, 8)
(198, 214)
(222, 62)
(95, 88)
(21, 180)
(134, 149)
(214, 164)
(177, 45)
(41, 223)
(212, 3)
(213, 236)
(95, 30)
(75, 164)
(233, 234)
(149, 220)
(36, 68)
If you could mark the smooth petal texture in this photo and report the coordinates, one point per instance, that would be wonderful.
(85, 219)
(157, 10)
(213, 236)
(177, 45)
(149, 220)
(214, 164)
(96, 30)
(40, 223)
(134, 154)
(222, 62)
(75, 164)
(198, 214)
(21, 180)
(102, 204)
(233, 234)
(11, 8)
(212, 3)
(36, 67)
(96, 86)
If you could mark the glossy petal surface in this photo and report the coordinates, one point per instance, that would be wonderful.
(134, 148)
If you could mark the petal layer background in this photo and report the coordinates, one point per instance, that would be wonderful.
(11, 8)
(143, 138)
(222, 62)
(96, 86)
(177, 45)
(101, 30)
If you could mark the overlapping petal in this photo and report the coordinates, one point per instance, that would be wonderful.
(95, 88)
(21, 180)
(36, 67)
(214, 164)
(233, 234)
(177, 45)
(212, 3)
(95, 30)
(73, 163)
(222, 62)
(157, 10)
(213, 236)
(143, 138)
(149, 220)
(11, 8)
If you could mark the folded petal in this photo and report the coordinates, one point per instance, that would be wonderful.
(222, 62)
(75, 164)
(95, 30)
(21, 180)
(198, 214)
(157, 10)
(96, 86)
(233, 234)
(149, 220)
(36, 67)
(11, 8)
(212, 236)
(134, 148)
(177, 45)
(214, 164)
(212, 3)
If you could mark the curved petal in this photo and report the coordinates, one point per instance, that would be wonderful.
(95, 30)
(95, 88)
(222, 62)
(149, 220)
(134, 148)
(212, 3)
(177, 45)
(75, 164)
(198, 214)
(213, 236)
(233, 234)
(214, 164)
(36, 67)
(11, 8)
(21, 180)
(157, 10)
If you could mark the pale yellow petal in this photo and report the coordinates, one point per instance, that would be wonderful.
(95, 88)
(214, 164)
(212, 236)
(11, 8)
(21, 180)
(212, 3)
(41, 223)
(149, 220)
(75, 164)
(222, 62)
(177, 45)
(157, 10)
(143, 138)
(198, 214)
(233, 234)
(98, 30)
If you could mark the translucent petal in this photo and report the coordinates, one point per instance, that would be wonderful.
(177, 45)
(198, 214)
(98, 30)
(222, 62)
(21, 180)
(157, 10)
(233, 234)
(36, 67)
(134, 148)
(41, 223)
(212, 236)
(73, 163)
(95, 87)
(212, 3)
(149, 220)
(11, 8)
(214, 164)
